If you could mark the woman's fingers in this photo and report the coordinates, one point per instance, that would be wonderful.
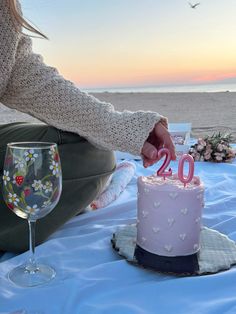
(149, 151)
(163, 135)
(158, 138)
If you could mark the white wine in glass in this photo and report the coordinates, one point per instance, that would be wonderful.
(32, 185)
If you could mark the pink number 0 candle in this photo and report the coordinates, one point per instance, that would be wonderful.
(190, 160)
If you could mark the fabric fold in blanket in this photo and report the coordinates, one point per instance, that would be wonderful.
(117, 183)
(92, 277)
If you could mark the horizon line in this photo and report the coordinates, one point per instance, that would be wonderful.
(164, 85)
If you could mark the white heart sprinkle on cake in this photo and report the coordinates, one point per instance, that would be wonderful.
(182, 236)
(144, 213)
(155, 229)
(184, 211)
(168, 247)
(170, 221)
(197, 220)
(173, 195)
(156, 204)
(146, 190)
(144, 239)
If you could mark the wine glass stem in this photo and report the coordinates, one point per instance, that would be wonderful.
(31, 265)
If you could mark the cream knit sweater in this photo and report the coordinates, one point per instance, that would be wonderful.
(30, 86)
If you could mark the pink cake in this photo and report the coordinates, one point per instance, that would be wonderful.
(169, 220)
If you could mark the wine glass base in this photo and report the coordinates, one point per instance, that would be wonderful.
(23, 277)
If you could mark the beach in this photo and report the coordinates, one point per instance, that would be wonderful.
(208, 112)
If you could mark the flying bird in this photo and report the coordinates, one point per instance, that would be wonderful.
(193, 6)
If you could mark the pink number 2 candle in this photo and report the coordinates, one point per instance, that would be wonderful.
(161, 172)
(190, 160)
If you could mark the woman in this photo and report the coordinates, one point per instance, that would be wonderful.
(85, 129)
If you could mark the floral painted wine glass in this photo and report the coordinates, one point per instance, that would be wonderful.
(32, 184)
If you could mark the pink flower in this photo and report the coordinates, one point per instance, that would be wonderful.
(197, 157)
(207, 156)
(220, 147)
(200, 147)
(201, 142)
(220, 154)
(213, 148)
(219, 158)
(209, 150)
(231, 153)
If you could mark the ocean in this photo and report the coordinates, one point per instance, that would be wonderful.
(198, 88)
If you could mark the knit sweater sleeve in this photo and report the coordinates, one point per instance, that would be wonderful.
(40, 91)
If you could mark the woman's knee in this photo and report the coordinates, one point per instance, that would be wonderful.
(82, 160)
(85, 170)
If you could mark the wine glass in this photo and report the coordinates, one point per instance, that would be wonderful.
(32, 184)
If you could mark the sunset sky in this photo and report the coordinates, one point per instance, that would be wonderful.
(118, 43)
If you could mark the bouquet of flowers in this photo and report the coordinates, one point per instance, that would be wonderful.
(214, 148)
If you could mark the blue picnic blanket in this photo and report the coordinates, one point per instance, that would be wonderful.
(93, 278)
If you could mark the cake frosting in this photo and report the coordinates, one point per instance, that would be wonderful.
(169, 215)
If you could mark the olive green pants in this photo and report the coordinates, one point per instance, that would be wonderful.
(85, 171)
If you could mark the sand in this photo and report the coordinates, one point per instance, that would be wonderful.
(208, 112)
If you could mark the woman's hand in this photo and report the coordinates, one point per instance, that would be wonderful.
(158, 138)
